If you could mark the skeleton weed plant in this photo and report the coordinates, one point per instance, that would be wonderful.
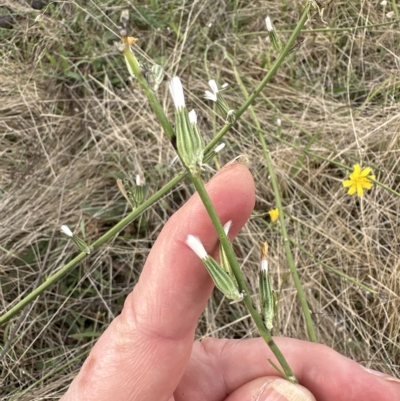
(194, 154)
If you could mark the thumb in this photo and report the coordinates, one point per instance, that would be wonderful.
(271, 389)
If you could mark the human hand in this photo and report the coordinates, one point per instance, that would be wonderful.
(148, 354)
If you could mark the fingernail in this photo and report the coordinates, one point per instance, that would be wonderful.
(382, 375)
(279, 390)
(241, 159)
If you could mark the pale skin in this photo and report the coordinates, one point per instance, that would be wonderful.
(148, 352)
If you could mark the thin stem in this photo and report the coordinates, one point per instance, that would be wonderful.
(104, 238)
(289, 256)
(153, 101)
(339, 29)
(266, 79)
(395, 9)
(292, 267)
(264, 332)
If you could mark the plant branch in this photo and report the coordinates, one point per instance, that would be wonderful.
(264, 332)
(104, 238)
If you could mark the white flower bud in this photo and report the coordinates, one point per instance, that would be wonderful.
(219, 147)
(196, 246)
(269, 25)
(65, 230)
(192, 117)
(176, 90)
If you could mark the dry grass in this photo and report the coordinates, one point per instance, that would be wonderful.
(71, 122)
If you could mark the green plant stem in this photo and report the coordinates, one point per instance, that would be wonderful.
(281, 58)
(339, 29)
(395, 9)
(104, 238)
(292, 267)
(264, 332)
(289, 256)
(153, 101)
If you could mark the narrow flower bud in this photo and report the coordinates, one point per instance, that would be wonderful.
(231, 116)
(273, 36)
(80, 243)
(212, 95)
(215, 96)
(132, 63)
(210, 155)
(134, 194)
(267, 300)
(223, 257)
(221, 279)
(189, 140)
(140, 190)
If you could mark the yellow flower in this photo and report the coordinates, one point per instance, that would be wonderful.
(359, 180)
(274, 214)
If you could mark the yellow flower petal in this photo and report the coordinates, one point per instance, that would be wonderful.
(274, 214)
(357, 169)
(347, 183)
(352, 190)
(365, 172)
(360, 191)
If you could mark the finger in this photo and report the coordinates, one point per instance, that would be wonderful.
(270, 389)
(229, 364)
(173, 274)
(143, 353)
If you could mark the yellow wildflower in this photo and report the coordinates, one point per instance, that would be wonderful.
(359, 180)
(274, 214)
